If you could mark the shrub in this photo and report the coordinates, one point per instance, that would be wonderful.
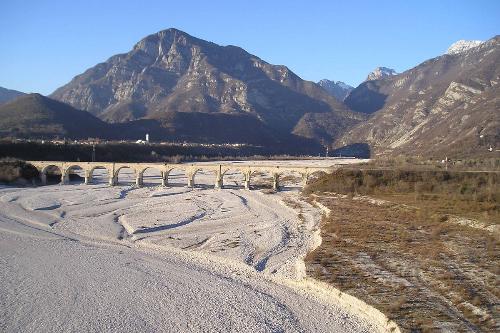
(12, 170)
(475, 194)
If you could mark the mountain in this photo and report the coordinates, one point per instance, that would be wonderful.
(463, 46)
(446, 106)
(338, 89)
(379, 73)
(171, 73)
(7, 95)
(34, 115)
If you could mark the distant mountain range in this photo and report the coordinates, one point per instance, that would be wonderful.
(7, 95)
(180, 88)
(446, 106)
(338, 89)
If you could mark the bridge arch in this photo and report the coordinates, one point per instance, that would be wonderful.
(96, 177)
(292, 178)
(32, 172)
(211, 182)
(235, 178)
(128, 175)
(177, 176)
(151, 175)
(51, 174)
(75, 173)
(263, 178)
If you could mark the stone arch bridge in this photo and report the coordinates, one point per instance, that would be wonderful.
(247, 170)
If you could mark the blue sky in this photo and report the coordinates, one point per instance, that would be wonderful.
(46, 43)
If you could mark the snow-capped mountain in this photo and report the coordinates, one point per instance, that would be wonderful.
(462, 46)
(445, 106)
(380, 72)
(338, 89)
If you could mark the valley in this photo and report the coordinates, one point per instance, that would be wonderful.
(264, 166)
(127, 254)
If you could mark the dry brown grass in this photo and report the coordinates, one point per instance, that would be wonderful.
(491, 164)
(470, 194)
(407, 258)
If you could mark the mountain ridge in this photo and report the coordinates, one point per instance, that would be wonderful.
(7, 95)
(379, 73)
(36, 116)
(463, 46)
(337, 89)
(181, 88)
(172, 71)
(446, 105)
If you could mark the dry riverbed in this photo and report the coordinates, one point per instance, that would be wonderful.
(92, 257)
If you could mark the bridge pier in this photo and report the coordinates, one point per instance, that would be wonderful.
(305, 178)
(247, 176)
(190, 177)
(64, 178)
(219, 181)
(43, 177)
(139, 180)
(164, 178)
(88, 178)
(276, 179)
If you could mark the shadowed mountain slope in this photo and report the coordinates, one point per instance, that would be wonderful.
(34, 115)
(446, 106)
(7, 95)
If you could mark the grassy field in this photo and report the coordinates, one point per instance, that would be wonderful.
(421, 246)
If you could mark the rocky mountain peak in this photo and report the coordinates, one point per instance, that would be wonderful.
(463, 46)
(380, 72)
(165, 42)
(337, 89)
(170, 73)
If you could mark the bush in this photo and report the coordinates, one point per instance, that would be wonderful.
(464, 186)
(13, 170)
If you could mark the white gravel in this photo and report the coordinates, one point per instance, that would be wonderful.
(98, 258)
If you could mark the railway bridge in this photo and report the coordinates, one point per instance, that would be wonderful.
(219, 169)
